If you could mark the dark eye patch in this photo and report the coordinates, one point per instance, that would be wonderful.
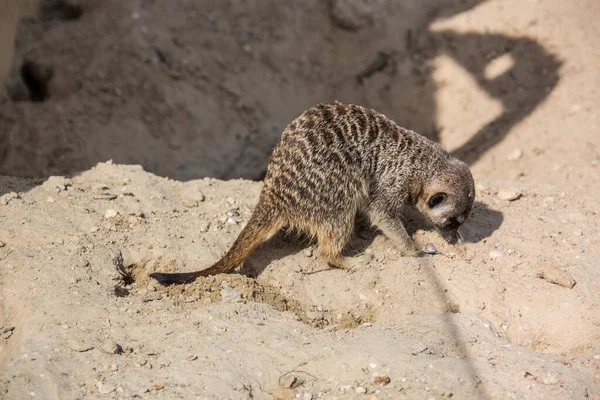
(436, 199)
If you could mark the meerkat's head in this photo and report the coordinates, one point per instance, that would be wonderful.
(447, 197)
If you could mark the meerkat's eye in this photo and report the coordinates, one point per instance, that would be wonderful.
(436, 199)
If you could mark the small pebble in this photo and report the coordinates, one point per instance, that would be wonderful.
(105, 388)
(110, 213)
(110, 347)
(50, 199)
(288, 381)
(229, 294)
(308, 252)
(495, 254)
(418, 349)
(430, 249)
(79, 347)
(553, 274)
(2, 244)
(508, 195)
(345, 388)
(203, 226)
(192, 357)
(515, 154)
(380, 379)
(550, 379)
(191, 198)
(597, 357)
(361, 390)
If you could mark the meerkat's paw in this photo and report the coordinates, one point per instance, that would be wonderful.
(360, 261)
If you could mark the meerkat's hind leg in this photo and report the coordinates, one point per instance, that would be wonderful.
(393, 228)
(331, 241)
(331, 244)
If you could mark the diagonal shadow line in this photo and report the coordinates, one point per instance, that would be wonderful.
(480, 389)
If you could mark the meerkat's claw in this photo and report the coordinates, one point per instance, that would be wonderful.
(362, 260)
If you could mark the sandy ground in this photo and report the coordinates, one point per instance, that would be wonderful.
(187, 91)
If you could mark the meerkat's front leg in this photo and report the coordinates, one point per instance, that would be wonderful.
(393, 228)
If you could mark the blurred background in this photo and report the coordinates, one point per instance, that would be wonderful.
(190, 89)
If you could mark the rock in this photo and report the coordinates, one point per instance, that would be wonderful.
(430, 249)
(550, 379)
(57, 183)
(314, 315)
(78, 347)
(418, 349)
(308, 252)
(380, 379)
(190, 198)
(345, 388)
(192, 357)
(509, 195)
(8, 197)
(228, 294)
(351, 14)
(553, 274)
(2, 244)
(528, 376)
(110, 347)
(495, 254)
(515, 154)
(361, 390)
(288, 381)
(50, 199)
(110, 213)
(203, 226)
(105, 388)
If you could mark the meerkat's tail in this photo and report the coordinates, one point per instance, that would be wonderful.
(263, 225)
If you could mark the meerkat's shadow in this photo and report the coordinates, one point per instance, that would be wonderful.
(288, 243)
(482, 222)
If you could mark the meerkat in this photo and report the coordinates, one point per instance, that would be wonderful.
(336, 161)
